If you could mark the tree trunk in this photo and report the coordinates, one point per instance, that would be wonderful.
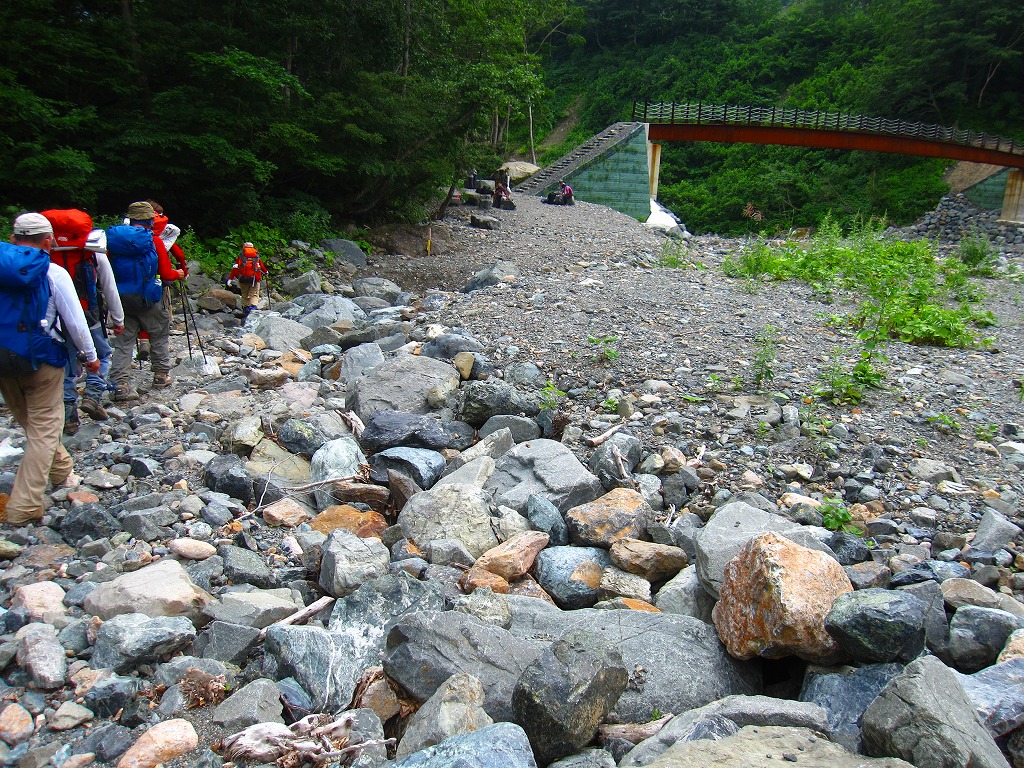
(533, 149)
(128, 17)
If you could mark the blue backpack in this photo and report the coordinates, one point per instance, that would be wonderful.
(133, 258)
(25, 341)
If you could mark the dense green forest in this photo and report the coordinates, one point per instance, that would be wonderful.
(308, 117)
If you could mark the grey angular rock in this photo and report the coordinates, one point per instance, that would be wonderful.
(460, 512)
(621, 452)
(683, 665)
(456, 707)
(243, 566)
(41, 656)
(546, 517)
(389, 429)
(521, 427)
(345, 250)
(227, 474)
(763, 746)
(408, 383)
(123, 642)
(543, 467)
(306, 283)
(499, 272)
(844, 693)
(256, 702)
(349, 561)
(448, 345)
(924, 717)
(565, 694)
(878, 625)
(723, 718)
(230, 643)
(995, 532)
(480, 400)
(424, 466)
(998, 694)
(425, 648)
(684, 595)
(336, 459)
(280, 333)
(378, 287)
(92, 520)
(502, 745)
(977, 635)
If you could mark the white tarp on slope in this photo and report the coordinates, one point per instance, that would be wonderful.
(663, 220)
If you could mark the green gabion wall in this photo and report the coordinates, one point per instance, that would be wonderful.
(619, 178)
(988, 195)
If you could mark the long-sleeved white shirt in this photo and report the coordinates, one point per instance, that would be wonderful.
(97, 243)
(64, 301)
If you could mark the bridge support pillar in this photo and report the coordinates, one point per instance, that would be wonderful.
(1013, 198)
(654, 165)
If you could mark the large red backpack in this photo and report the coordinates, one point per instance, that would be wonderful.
(249, 266)
(71, 229)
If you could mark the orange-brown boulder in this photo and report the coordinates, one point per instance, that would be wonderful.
(365, 525)
(774, 600)
(655, 562)
(512, 558)
(620, 513)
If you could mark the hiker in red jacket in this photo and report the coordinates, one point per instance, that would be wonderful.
(247, 272)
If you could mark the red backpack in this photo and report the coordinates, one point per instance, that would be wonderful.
(71, 229)
(249, 266)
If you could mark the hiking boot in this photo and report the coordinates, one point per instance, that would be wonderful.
(71, 420)
(125, 394)
(143, 350)
(92, 408)
(161, 380)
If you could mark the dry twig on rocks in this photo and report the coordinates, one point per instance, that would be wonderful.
(315, 740)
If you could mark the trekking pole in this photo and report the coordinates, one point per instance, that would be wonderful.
(184, 313)
(188, 307)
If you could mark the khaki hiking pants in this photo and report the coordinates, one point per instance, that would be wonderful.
(250, 293)
(37, 402)
(157, 323)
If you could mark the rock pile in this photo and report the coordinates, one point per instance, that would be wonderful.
(380, 509)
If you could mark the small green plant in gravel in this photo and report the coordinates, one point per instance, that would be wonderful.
(976, 253)
(550, 396)
(610, 404)
(606, 350)
(765, 355)
(986, 432)
(837, 517)
(944, 423)
(675, 255)
(837, 385)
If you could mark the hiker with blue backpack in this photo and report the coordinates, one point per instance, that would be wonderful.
(140, 263)
(39, 308)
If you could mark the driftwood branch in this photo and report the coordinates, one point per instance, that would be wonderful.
(593, 442)
(299, 616)
(632, 732)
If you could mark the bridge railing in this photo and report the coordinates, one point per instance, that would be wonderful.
(719, 114)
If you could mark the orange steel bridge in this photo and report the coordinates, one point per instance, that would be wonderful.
(668, 122)
(827, 130)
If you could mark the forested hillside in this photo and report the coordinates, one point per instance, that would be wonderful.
(305, 117)
(950, 62)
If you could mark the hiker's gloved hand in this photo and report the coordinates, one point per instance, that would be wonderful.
(117, 329)
(93, 366)
(227, 283)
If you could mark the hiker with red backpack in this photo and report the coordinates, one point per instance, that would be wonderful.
(80, 250)
(247, 273)
(140, 262)
(39, 308)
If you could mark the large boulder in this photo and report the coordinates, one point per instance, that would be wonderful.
(924, 717)
(774, 600)
(160, 589)
(733, 525)
(676, 663)
(565, 694)
(404, 383)
(460, 512)
(425, 648)
(762, 746)
(543, 467)
(502, 745)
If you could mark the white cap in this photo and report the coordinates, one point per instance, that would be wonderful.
(29, 224)
(248, 245)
